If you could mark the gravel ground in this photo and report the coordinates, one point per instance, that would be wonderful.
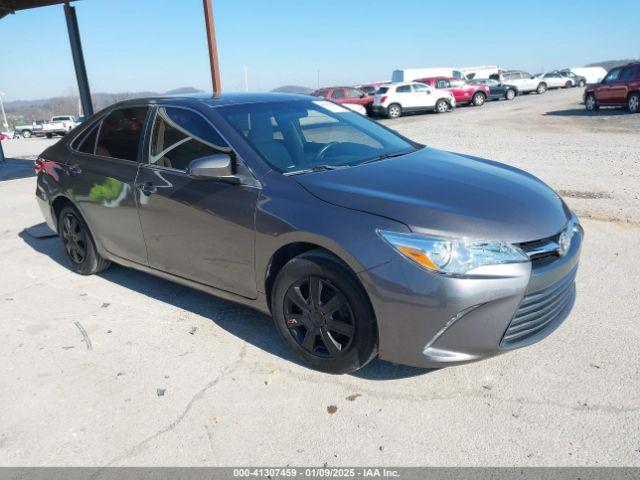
(126, 369)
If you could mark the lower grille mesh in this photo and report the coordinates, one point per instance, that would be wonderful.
(539, 309)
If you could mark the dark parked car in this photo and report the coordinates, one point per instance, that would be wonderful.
(578, 80)
(620, 87)
(357, 240)
(497, 90)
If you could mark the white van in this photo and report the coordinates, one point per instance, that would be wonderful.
(411, 74)
(480, 72)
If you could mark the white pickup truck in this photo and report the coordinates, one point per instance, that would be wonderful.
(58, 125)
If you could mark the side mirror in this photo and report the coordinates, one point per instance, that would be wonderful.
(214, 167)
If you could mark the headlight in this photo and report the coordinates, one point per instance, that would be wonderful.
(452, 256)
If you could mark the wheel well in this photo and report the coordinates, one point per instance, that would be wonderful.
(286, 253)
(58, 204)
(632, 93)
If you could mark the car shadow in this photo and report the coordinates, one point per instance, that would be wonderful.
(582, 112)
(243, 322)
(15, 168)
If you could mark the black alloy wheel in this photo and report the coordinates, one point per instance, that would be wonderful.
(74, 238)
(319, 317)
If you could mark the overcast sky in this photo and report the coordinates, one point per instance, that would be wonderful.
(134, 45)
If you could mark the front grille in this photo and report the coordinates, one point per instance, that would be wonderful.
(538, 310)
(542, 251)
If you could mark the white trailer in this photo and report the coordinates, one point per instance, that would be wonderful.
(411, 74)
(592, 74)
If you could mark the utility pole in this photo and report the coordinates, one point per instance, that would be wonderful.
(213, 47)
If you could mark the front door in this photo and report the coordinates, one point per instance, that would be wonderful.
(104, 165)
(620, 88)
(603, 92)
(199, 229)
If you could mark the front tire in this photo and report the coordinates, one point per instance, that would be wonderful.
(442, 106)
(568, 85)
(323, 314)
(78, 243)
(510, 94)
(633, 104)
(478, 99)
(590, 103)
(581, 84)
(542, 88)
(394, 111)
(26, 134)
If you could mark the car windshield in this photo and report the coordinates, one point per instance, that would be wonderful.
(302, 136)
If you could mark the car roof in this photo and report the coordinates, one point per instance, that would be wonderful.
(220, 100)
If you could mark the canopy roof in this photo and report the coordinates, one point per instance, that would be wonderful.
(12, 6)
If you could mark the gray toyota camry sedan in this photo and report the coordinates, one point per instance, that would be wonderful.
(358, 241)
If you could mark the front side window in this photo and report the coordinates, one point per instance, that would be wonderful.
(419, 87)
(314, 133)
(121, 132)
(443, 84)
(337, 94)
(354, 93)
(403, 89)
(612, 76)
(181, 136)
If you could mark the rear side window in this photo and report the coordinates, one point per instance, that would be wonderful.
(121, 132)
(87, 144)
(321, 93)
(181, 136)
(382, 90)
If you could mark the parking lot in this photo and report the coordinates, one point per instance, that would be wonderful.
(126, 369)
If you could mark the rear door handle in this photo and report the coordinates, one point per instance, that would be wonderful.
(74, 170)
(147, 188)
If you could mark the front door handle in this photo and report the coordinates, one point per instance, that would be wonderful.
(147, 188)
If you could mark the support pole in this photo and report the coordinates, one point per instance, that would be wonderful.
(78, 59)
(213, 47)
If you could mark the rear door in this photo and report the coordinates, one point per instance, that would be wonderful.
(407, 98)
(104, 165)
(199, 229)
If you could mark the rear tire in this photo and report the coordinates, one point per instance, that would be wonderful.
(542, 88)
(478, 99)
(581, 84)
(394, 111)
(633, 104)
(590, 103)
(78, 243)
(568, 85)
(510, 94)
(333, 331)
(26, 134)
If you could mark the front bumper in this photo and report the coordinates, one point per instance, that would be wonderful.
(430, 320)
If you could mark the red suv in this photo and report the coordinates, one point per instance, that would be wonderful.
(463, 92)
(620, 87)
(346, 95)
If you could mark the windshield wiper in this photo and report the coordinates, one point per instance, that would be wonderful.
(315, 168)
(384, 156)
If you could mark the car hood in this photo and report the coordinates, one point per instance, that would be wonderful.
(448, 194)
